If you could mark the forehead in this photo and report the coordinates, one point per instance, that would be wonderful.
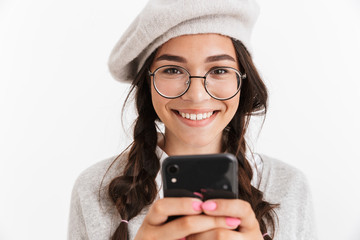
(198, 45)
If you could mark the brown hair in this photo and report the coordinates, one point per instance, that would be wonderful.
(136, 187)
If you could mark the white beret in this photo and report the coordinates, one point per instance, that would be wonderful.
(161, 20)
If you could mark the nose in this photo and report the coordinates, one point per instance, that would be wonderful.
(196, 91)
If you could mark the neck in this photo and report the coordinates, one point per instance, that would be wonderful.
(174, 146)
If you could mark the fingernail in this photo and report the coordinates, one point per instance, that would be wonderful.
(209, 206)
(196, 205)
(232, 222)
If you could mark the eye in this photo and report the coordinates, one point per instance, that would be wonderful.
(172, 71)
(219, 71)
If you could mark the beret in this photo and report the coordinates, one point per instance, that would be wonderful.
(161, 20)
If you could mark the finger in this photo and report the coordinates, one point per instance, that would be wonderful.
(163, 208)
(188, 225)
(233, 208)
(219, 233)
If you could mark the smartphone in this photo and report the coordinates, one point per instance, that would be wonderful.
(201, 176)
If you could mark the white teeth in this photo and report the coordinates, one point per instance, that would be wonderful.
(194, 117)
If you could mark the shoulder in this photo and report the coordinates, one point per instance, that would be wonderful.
(277, 173)
(99, 174)
(284, 184)
(92, 213)
(287, 186)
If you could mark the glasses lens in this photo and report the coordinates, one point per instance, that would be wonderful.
(223, 83)
(171, 81)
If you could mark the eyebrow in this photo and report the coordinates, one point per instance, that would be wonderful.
(219, 58)
(173, 58)
(168, 57)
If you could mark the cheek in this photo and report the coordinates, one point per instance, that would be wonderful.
(155, 100)
(159, 103)
(233, 105)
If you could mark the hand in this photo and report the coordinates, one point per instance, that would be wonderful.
(235, 209)
(193, 223)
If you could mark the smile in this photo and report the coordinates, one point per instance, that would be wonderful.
(196, 117)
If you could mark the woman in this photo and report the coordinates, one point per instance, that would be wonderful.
(174, 60)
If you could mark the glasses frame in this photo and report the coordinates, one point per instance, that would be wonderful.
(242, 77)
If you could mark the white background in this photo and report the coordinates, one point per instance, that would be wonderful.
(60, 111)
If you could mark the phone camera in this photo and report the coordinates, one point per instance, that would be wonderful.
(173, 169)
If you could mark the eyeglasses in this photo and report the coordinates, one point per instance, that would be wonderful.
(221, 83)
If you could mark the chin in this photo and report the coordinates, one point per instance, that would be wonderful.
(199, 141)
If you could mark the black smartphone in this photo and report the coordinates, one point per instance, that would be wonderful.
(202, 176)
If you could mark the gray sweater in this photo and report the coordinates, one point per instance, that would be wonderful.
(94, 217)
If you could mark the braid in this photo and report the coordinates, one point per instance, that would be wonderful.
(136, 188)
(253, 99)
(263, 210)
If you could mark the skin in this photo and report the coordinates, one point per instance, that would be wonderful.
(195, 50)
(196, 54)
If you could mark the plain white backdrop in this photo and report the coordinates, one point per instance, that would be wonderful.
(60, 110)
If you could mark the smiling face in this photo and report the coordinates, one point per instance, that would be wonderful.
(195, 121)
